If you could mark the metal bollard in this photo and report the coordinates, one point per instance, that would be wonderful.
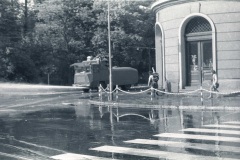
(100, 92)
(117, 93)
(108, 93)
(201, 95)
(117, 115)
(151, 93)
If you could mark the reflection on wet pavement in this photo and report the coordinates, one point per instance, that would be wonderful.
(160, 132)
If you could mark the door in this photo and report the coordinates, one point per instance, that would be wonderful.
(198, 62)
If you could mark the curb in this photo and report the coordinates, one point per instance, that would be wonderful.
(153, 106)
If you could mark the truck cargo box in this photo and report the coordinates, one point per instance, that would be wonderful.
(124, 75)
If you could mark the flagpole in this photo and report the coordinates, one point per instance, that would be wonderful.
(110, 55)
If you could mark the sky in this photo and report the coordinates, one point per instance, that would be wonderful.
(23, 1)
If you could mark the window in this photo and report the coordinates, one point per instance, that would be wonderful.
(198, 24)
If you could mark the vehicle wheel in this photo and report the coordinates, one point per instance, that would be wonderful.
(85, 90)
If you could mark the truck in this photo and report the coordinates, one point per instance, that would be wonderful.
(89, 74)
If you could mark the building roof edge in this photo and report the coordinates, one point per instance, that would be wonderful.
(161, 4)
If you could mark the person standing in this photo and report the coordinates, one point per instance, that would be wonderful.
(153, 81)
(150, 78)
(215, 84)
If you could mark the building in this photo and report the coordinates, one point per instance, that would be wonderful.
(195, 36)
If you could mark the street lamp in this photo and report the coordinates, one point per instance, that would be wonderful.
(110, 55)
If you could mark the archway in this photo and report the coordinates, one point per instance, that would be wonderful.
(197, 50)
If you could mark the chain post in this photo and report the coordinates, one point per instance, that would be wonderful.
(100, 92)
(201, 95)
(117, 115)
(201, 85)
(117, 93)
(151, 93)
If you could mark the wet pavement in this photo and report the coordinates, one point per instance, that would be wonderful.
(46, 122)
(139, 98)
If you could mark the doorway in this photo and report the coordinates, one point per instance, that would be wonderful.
(198, 62)
(198, 51)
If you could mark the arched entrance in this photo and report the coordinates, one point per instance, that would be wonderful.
(197, 46)
(199, 56)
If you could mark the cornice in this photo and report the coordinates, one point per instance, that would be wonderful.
(161, 4)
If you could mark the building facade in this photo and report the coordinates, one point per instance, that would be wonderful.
(192, 37)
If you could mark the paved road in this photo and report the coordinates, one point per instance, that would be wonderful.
(18, 98)
(223, 144)
(213, 141)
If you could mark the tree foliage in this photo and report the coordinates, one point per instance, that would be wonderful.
(10, 35)
(61, 32)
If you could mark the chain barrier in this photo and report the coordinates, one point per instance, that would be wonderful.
(117, 88)
(106, 89)
(197, 90)
(134, 92)
(163, 92)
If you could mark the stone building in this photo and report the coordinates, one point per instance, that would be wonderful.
(195, 36)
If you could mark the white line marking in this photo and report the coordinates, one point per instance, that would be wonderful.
(232, 122)
(199, 137)
(13, 156)
(73, 156)
(200, 146)
(222, 126)
(154, 153)
(202, 130)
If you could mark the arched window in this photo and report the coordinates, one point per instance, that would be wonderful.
(198, 24)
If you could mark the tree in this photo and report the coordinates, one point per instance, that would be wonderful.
(61, 32)
(48, 70)
(65, 26)
(10, 35)
(131, 29)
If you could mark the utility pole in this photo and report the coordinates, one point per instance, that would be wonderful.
(110, 55)
(26, 17)
(149, 60)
